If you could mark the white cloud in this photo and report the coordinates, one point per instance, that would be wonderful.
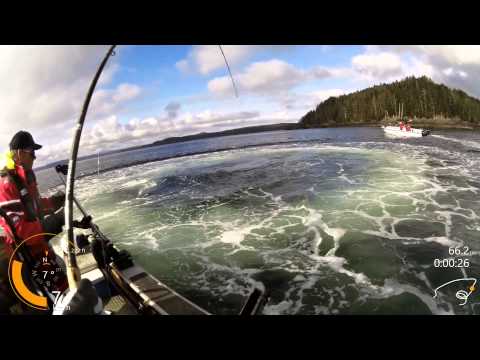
(125, 92)
(306, 101)
(183, 65)
(43, 87)
(261, 76)
(205, 59)
(297, 104)
(109, 132)
(108, 101)
(380, 65)
(266, 77)
(322, 95)
(446, 54)
(209, 117)
(417, 67)
(53, 152)
(456, 66)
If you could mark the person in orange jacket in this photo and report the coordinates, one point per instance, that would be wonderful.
(31, 214)
(408, 126)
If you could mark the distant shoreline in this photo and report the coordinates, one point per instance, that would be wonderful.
(428, 123)
(417, 124)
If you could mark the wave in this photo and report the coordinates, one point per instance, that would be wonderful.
(466, 143)
(331, 222)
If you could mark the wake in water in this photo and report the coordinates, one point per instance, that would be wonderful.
(326, 229)
(466, 143)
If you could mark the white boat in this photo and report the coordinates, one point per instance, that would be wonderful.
(395, 130)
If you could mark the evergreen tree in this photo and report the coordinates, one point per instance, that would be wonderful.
(420, 97)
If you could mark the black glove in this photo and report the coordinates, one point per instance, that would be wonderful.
(85, 223)
(58, 200)
(62, 169)
(85, 301)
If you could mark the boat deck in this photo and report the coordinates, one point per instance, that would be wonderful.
(144, 288)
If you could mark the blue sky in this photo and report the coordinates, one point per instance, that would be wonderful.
(147, 93)
(153, 69)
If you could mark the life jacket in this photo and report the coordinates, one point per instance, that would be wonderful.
(19, 198)
(30, 204)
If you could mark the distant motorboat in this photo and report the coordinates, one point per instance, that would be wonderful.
(395, 130)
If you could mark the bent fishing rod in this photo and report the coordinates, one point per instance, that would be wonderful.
(229, 71)
(62, 169)
(73, 272)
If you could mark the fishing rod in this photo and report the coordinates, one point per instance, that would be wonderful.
(64, 170)
(73, 272)
(257, 298)
(70, 173)
(229, 71)
(70, 260)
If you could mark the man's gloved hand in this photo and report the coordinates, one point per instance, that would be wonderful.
(85, 223)
(85, 300)
(62, 169)
(58, 200)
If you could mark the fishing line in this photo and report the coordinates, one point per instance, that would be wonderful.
(229, 71)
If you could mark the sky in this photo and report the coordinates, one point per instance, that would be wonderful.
(148, 93)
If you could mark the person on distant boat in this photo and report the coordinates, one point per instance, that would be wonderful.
(408, 126)
(401, 125)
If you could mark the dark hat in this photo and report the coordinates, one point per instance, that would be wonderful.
(23, 140)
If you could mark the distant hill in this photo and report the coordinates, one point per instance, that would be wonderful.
(204, 135)
(240, 131)
(429, 103)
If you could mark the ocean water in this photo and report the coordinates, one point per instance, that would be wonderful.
(328, 221)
